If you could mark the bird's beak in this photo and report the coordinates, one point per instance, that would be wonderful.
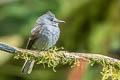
(59, 21)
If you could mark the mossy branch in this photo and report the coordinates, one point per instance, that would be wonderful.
(84, 56)
(63, 57)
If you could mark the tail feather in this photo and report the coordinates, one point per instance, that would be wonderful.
(28, 66)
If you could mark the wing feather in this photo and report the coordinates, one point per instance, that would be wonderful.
(34, 36)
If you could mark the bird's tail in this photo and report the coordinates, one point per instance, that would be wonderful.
(28, 66)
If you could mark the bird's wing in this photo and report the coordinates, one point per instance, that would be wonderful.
(34, 35)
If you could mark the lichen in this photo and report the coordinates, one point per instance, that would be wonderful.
(109, 72)
(55, 56)
(52, 58)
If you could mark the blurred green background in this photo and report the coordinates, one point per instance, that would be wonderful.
(91, 26)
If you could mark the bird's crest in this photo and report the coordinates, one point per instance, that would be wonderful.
(50, 13)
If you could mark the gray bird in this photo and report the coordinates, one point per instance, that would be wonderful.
(43, 36)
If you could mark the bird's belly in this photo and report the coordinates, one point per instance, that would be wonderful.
(46, 40)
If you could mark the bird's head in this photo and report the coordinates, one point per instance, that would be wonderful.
(49, 18)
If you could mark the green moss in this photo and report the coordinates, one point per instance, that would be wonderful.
(52, 57)
(109, 72)
(55, 56)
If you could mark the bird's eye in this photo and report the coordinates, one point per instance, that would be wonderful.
(51, 19)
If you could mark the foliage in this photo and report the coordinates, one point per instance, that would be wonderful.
(91, 26)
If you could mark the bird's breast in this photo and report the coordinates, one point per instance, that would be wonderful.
(48, 37)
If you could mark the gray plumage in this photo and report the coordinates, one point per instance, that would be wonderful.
(43, 36)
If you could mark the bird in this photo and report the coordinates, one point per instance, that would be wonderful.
(44, 35)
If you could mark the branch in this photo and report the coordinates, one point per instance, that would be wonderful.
(53, 57)
(69, 55)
